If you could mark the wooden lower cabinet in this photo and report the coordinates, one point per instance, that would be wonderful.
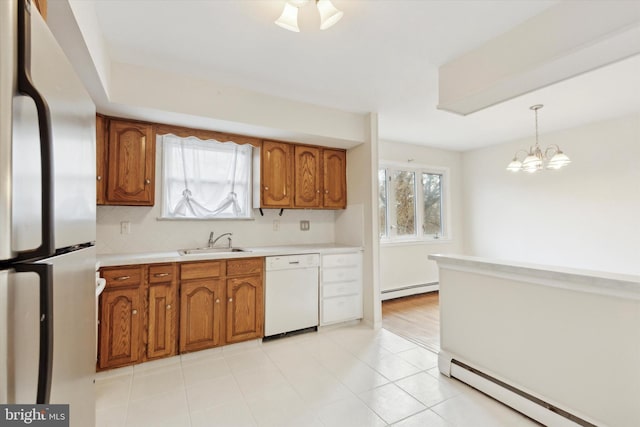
(162, 310)
(245, 308)
(225, 307)
(120, 327)
(159, 310)
(162, 321)
(201, 316)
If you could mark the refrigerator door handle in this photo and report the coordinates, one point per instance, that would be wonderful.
(45, 358)
(26, 87)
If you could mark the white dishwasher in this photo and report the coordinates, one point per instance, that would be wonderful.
(291, 294)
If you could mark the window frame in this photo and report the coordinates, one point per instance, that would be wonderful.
(419, 237)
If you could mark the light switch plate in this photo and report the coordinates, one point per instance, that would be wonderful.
(304, 225)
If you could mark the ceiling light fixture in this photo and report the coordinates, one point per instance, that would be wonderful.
(535, 158)
(329, 14)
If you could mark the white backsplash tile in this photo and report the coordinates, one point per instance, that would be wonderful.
(148, 234)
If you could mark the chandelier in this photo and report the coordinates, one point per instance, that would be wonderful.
(536, 159)
(329, 14)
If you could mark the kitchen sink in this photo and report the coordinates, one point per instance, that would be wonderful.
(198, 251)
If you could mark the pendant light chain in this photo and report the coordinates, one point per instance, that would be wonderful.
(536, 111)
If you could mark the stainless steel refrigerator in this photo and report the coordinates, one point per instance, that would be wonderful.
(47, 221)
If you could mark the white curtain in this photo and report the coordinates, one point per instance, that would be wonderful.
(205, 179)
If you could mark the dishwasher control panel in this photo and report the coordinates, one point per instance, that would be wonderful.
(287, 262)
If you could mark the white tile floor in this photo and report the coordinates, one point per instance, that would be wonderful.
(351, 376)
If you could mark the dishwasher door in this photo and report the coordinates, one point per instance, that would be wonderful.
(291, 294)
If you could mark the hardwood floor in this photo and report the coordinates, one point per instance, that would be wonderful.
(416, 318)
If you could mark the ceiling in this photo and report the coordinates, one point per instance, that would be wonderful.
(383, 57)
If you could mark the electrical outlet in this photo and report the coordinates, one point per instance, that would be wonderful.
(125, 227)
(276, 225)
(304, 225)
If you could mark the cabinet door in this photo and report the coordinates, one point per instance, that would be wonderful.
(120, 320)
(276, 169)
(201, 305)
(307, 177)
(334, 179)
(162, 333)
(245, 308)
(101, 159)
(131, 167)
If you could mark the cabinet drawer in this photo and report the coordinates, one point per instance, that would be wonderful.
(236, 267)
(346, 274)
(161, 273)
(201, 270)
(340, 260)
(341, 309)
(342, 288)
(122, 276)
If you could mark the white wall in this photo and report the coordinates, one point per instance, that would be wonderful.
(150, 235)
(584, 216)
(406, 264)
(356, 225)
(227, 107)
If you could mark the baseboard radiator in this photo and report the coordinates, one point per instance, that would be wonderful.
(525, 403)
(409, 290)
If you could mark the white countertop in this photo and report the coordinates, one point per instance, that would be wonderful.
(109, 260)
(600, 282)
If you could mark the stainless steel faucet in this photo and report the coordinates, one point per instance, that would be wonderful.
(211, 244)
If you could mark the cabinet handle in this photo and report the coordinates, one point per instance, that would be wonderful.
(266, 188)
(230, 299)
(217, 300)
(318, 191)
(168, 306)
(326, 191)
(121, 278)
(161, 275)
(99, 178)
(134, 311)
(147, 181)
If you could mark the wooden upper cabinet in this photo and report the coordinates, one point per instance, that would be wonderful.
(276, 180)
(334, 168)
(131, 164)
(101, 159)
(307, 177)
(42, 7)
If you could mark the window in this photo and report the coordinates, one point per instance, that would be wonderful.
(411, 203)
(205, 179)
(432, 203)
(403, 189)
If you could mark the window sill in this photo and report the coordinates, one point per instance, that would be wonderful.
(415, 242)
(160, 218)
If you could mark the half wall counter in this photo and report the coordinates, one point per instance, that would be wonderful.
(557, 344)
